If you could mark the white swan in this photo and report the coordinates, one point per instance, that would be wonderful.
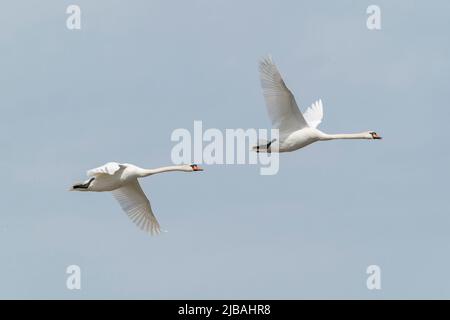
(296, 130)
(121, 180)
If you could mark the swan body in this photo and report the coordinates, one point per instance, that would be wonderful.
(297, 139)
(296, 130)
(121, 179)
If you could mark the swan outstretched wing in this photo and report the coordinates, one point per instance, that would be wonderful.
(281, 106)
(314, 114)
(109, 168)
(136, 205)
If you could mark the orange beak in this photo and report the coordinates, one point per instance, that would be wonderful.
(376, 136)
(196, 168)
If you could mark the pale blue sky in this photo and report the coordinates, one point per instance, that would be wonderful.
(115, 91)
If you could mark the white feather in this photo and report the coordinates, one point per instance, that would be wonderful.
(109, 168)
(281, 106)
(136, 205)
(314, 114)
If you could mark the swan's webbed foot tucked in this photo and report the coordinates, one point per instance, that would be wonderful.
(264, 147)
(83, 185)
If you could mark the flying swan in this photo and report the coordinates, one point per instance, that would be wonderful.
(122, 180)
(296, 130)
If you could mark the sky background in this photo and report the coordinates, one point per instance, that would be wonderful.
(116, 89)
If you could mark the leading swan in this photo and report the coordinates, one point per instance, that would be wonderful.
(296, 130)
(122, 180)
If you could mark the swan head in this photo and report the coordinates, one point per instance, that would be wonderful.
(374, 135)
(194, 167)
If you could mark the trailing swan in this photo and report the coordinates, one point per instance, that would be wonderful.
(121, 179)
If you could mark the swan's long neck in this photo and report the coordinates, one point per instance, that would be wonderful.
(148, 172)
(362, 135)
